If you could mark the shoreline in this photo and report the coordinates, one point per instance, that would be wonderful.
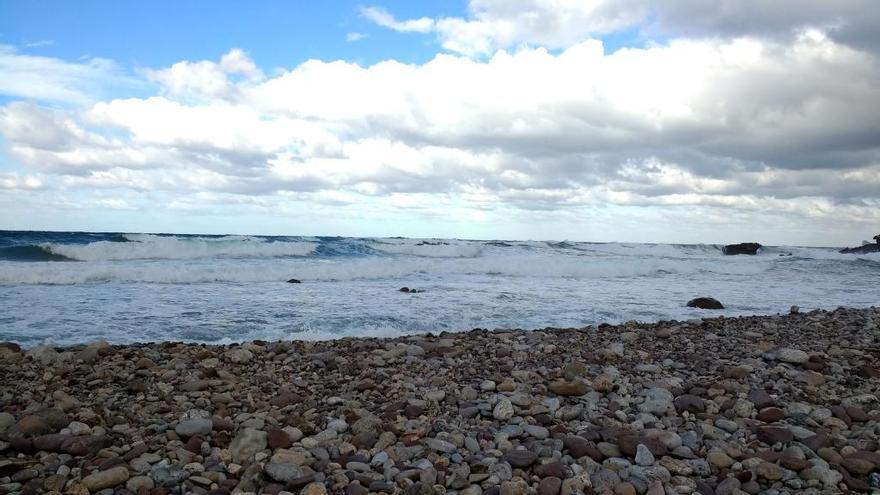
(397, 334)
(721, 405)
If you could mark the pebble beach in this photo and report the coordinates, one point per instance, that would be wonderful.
(727, 405)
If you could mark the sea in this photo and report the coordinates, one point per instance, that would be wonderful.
(65, 288)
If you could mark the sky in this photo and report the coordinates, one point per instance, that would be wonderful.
(682, 121)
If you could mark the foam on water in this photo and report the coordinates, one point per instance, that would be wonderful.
(431, 249)
(69, 288)
(520, 265)
(144, 246)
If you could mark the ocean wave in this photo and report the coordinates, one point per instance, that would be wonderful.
(637, 249)
(367, 268)
(829, 254)
(30, 253)
(430, 249)
(148, 246)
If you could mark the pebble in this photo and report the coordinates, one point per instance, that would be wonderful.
(283, 472)
(314, 489)
(503, 410)
(706, 406)
(191, 427)
(106, 479)
(794, 356)
(440, 445)
(137, 483)
(247, 444)
(643, 456)
(520, 458)
(569, 388)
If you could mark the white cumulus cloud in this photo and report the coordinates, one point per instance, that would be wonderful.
(763, 126)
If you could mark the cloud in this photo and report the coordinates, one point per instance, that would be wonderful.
(39, 44)
(207, 79)
(494, 24)
(51, 79)
(15, 181)
(557, 24)
(850, 22)
(355, 36)
(752, 124)
(381, 17)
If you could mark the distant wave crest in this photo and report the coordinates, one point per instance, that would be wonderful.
(430, 249)
(146, 246)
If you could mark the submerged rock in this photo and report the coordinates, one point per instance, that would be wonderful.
(407, 290)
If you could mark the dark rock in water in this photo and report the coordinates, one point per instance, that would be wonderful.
(410, 291)
(867, 248)
(741, 248)
(294, 281)
(705, 303)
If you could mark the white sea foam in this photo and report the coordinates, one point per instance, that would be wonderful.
(225, 289)
(145, 246)
(538, 265)
(430, 249)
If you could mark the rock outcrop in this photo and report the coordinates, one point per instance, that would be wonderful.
(865, 249)
(741, 248)
(705, 303)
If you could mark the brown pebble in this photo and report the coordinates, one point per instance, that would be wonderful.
(194, 444)
(690, 403)
(549, 486)
(761, 399)
(32, 425)
(551, 469)
(569, 389)
(857, 414)
(857, 466)
(278, 439)
(770, 414)
(771, 435)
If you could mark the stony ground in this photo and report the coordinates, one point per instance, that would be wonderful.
(756, 405)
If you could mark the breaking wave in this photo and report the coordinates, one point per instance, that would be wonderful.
(147, 246)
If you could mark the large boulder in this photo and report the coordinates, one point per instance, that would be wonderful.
(705, 303)
(742, 248)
